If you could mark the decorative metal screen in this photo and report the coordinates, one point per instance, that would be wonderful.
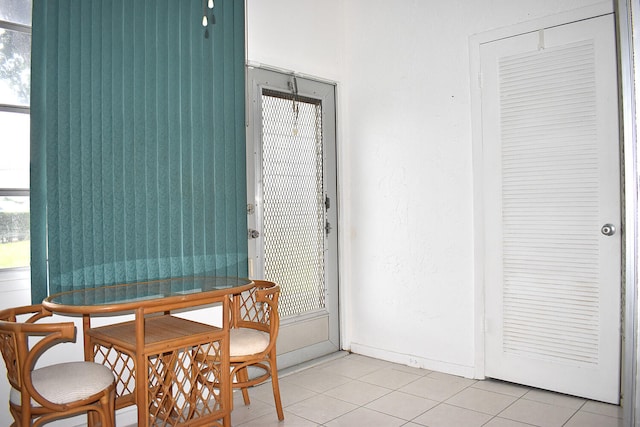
(293, 222)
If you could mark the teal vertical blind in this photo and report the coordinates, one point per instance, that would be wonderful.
(138, 142)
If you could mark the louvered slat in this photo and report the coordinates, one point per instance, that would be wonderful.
(550, 204)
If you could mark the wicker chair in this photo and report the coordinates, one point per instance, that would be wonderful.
(254, 330)
(55, 391)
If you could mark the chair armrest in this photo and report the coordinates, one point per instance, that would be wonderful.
(51, 334)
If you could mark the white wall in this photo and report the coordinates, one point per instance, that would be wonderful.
(305, 36)
(404, 137)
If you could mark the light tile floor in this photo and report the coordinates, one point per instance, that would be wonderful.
(359, 391)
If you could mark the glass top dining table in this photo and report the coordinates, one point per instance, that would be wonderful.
(137, 295)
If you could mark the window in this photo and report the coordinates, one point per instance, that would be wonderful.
(15, 70)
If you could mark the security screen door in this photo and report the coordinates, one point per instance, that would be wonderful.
(292, 209)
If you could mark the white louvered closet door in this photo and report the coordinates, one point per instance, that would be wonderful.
(551, 182)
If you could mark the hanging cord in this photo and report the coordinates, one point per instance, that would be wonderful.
(293, 86)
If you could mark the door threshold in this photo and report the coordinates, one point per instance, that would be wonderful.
(311, 363)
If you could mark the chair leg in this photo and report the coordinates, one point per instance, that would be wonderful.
(93, 417)
(109, 407)
(103, 413)
(243, 377)
(275, 384)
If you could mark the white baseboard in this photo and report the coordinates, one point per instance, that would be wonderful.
(414, 361)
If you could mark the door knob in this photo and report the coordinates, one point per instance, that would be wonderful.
(608, 229)
(254, 234)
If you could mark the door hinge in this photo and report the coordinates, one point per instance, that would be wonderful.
(327, 203)
(327, 227)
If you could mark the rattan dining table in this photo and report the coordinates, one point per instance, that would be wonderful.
(153, 356)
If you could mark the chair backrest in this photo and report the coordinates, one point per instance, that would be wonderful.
(18, 356)
(257, 308)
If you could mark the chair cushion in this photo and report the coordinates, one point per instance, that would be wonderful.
(246, 341)
(68, 382)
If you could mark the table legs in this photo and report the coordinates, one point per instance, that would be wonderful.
(163, 381)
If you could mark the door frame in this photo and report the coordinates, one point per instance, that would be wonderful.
(475, 42)
(629, 48)
(254, 72)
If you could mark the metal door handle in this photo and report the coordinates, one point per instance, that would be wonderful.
(254, 234)
(608, 229)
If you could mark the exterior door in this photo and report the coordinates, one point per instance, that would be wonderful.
(292, 212)
(552, 209)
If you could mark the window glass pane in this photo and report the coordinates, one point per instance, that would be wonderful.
(14, 231)
(14, 146)
(18, 11)
(15, 67)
